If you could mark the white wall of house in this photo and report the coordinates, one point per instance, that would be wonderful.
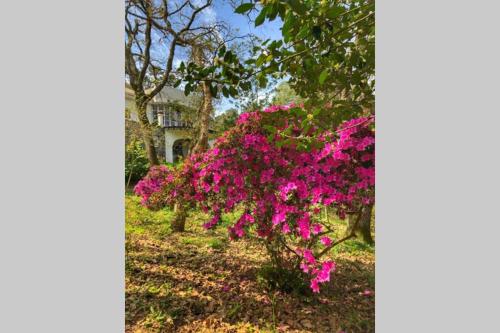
(173, 135)
(170, 137)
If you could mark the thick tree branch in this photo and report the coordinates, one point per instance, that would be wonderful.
(352, 234)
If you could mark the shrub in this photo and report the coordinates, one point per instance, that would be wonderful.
(272, 277)
(136, 161)
(278, 168)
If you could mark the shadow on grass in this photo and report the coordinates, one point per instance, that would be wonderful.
(182, 284)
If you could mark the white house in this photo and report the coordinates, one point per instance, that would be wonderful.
(171, 123)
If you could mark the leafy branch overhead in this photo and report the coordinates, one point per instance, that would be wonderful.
(327, 52)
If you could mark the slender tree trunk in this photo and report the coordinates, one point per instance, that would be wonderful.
(179, 221)
(201, 143)
(205, 112)
(363, 229)
(129, 176)
(206, 107)
(365, 224)
(147, 135)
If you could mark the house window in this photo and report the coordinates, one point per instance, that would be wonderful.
(172, 118)
(159, 109)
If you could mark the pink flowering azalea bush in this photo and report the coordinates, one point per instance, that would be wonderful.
(261, 168)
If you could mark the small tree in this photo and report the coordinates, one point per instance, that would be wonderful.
(136, 161)
(278, 178)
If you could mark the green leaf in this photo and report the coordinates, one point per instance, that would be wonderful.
(260, 60)
(281, 11)
(273, 12)
(262, 16)
(262, 81)
(334, 12)
(225, 92)
(177, 83)
(288, 24)
(323, 76)
(303, 32)
(297, 6)
(246, 85)
(270, 128)
(222, 50)
(232, 91)
(228, 56)
(316, 31)
(244, 8)
(213, 90)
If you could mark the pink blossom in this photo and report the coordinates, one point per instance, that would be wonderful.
(279, 217)
(217, 178)
(324, 274)
(303, 223)
(315, 285)
(316, 228)
(367, 292)
(326, 241)
(212, 223)
(308, 256)
(266, 176)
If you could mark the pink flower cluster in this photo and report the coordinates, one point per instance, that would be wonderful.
(152, 184)
(278, 185)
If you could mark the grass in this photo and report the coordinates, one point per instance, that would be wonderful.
(199, 281)
(139, 220)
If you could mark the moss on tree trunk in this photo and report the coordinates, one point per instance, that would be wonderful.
(179, 221)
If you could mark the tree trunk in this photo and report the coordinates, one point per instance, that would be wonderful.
(147, 135)
(363, 228)
(206, 107)
(179, 221)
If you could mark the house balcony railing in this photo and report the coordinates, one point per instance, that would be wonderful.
(176, 123)
(172, 123)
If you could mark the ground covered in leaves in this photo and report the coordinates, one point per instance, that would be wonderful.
(199, 281)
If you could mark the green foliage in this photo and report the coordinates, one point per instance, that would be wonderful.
(136, 161)
(243, 8)
(233, 310)
(354, 246)
(284, 95)
(277, 278)
(140, 220)
(323, 76)
(225, 121)
(328, 51)
(204, 241)
(216, 243)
